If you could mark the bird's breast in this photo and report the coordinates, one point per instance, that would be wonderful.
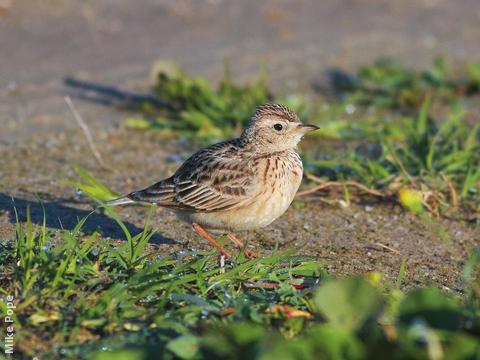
(280, 176)
(277, 180)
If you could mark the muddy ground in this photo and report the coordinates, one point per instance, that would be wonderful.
(100, 53)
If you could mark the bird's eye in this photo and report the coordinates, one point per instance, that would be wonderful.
(278, 127)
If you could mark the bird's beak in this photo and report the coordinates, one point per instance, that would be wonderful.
(307, 127)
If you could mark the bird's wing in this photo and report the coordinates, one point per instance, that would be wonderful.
(215, 178)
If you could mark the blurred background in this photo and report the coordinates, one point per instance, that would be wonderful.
(116, 42)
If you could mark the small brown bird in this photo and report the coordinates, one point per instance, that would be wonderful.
(235, 185)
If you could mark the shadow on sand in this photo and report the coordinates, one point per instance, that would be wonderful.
(61, 216)
(111, 96)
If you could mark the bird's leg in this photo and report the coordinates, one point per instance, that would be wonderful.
(200, 230)
(248, 253)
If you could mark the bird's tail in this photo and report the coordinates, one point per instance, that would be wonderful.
(150, 195)
(120, 201)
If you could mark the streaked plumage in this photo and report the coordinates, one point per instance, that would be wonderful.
(241, 184)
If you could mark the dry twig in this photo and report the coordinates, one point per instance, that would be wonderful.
(325, 184)
(387, 247)
(437, 200)
(410, 178)
(84, 127)
(452, 191)
(222, 264)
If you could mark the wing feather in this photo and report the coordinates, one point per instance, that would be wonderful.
(215, 178)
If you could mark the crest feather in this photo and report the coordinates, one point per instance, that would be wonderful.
(276, 110)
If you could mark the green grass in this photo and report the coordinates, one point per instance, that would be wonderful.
(199, 111)
(78, 296)
(403, 132)
(409, 128)
(392, 124)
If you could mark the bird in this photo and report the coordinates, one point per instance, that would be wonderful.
(236, 185)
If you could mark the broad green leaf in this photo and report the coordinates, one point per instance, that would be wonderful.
(185, 346)
(348, 303)
(334, 343)
(429, 304)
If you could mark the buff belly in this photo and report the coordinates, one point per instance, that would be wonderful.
(257, 213)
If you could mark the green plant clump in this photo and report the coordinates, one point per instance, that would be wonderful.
(404, 128)
(389, 83)
(78, 296)
(200, 111)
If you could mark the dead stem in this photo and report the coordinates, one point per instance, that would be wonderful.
(437, 200)
(222, 264)
(452, 191)
(325, 184)
(86, 131)
(387, 247)
(410, 178)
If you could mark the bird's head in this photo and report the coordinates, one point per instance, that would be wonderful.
(274, 128)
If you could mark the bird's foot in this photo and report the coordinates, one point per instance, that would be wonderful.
(200, 230)
(249, 254)
(225, 253)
